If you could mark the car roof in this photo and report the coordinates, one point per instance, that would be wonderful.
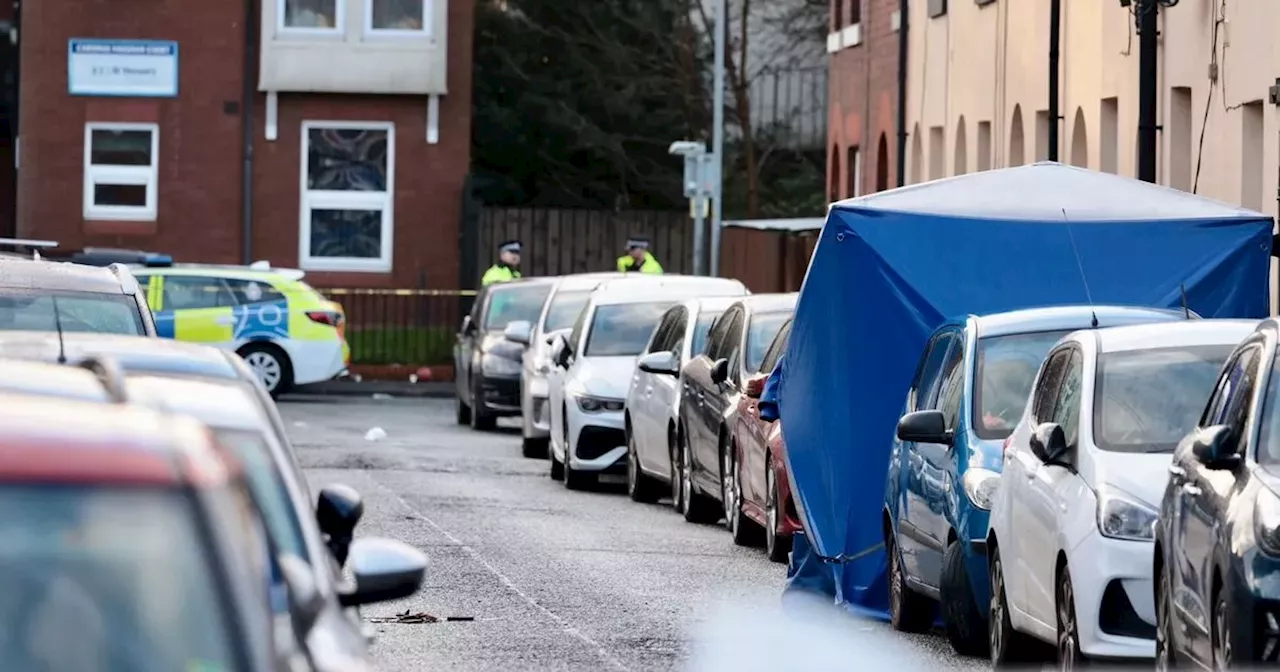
(1174, 334)
(581, 281)
(65, 277)
(770, 303)
(218, 271)
(710, 303)
(658, 288)
(108, 444)
(217, 403)
(1057, 318)
(133, 353)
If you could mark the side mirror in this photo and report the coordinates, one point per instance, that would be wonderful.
(338, 511)
(924, 427)
(385, 570)
(755, 385)
(560, 352)
(467, 326)
(720, 371)
(1049, 443)
(663, 363)
(1216, 447)
(519, 331)
(305, 600)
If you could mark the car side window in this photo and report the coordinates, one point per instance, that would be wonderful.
(930, 370)
(662, 335)
(716, 338)
(579, 326)
(952, 390)
(675, 339)
(733, 346)
(1046, 391)
(1241, 383)
(776, 348)
(188, 292)
(1066, 409)
(253, 291)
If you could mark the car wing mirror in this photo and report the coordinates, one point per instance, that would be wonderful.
(755, 385)
(1049, 443)
(518, 331)
(662, 363)
(338, 511)
(467, 326)
(385, 570)
(928, 426)
(1216, 447)
(720, 371)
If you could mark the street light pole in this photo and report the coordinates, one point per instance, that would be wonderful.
(717, 135)
(1148, 88)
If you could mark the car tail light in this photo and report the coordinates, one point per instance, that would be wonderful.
(329, 317)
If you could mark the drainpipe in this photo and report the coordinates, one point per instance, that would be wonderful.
(1055, 37)
(246, 111)
(1148, 88)
(902, 93)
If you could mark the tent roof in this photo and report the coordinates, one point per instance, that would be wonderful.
(1047, 191)
(796, 224)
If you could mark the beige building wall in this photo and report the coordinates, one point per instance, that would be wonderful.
(977, 92)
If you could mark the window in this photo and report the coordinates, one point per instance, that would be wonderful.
(1066, 411)
(120, 171)
(733, 347)
(565, 308)
(835, 174)
(764, 328)
(701, 328)
(248, 291)
(665, 335)
(85, 312)
(347, 183)
(190, 292)
(952, 391)
(718, 335)
(515, 303)
(937, 8)
(854, 170)
(622, 329)
(1006, 368)
(397, 17)
(855, 12)
(310, 16)
(921, 394)
(776, 349)
(837, 14)
(1050, 382)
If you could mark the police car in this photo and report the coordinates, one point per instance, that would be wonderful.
(288, 332)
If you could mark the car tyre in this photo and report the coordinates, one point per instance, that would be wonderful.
(573, 479)
(481, 421)
(534, 448)
(696, 507)
(1069, 655)
(271, 365)
(640, 486)
(677, 474)
(745, 531)
(463, 411)
(1009, 648)
(965, 622)
(1223, 651)
(777, 546)
(1166, 658)
(909, 611)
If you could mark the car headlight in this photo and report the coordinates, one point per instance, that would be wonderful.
(1122, 516)
(493, 365)
(1266, 521)
(590, 404)
(980, 486)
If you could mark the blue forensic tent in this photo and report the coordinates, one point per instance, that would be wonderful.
(890, 267)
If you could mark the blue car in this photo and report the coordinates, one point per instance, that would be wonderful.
(969, 391)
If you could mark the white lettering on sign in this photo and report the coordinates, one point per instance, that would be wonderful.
(145, 68)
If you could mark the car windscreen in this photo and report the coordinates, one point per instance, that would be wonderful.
(1145, 401)
(266, 483)
(515, 303)
(86, 312)
(764, 327)
(1005, 368)
(113, 579)
(623, 329)
(564, 309)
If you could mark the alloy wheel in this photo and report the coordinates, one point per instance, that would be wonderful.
(728, 490)
(266, 367)
(995, 625)
(1068, 639)
(770, 509)
(677, 486)
(1163, 623)
(686, 482)
(895, 583)
(1222, 653)
(633, 469)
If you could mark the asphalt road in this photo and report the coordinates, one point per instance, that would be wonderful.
(560, 580)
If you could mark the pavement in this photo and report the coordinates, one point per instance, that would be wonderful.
(561, 580)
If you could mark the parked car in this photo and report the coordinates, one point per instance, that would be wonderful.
(288, 332)
(652, 407)
(1072, 526)
(975, 373)
(566, 299)
(101, 505)
(487, 366)
(1217, 546)
(761, 487)
(43, 296)
(712, 384)
(597, 359)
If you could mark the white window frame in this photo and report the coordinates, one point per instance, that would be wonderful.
(347, 200)
(148, 176)
(338, 30)
(428, 11)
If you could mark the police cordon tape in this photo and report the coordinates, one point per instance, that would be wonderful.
(398, 292)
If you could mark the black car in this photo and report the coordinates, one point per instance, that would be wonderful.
(43, 296)
(711, 383)
(487, 367)
(1217, 556)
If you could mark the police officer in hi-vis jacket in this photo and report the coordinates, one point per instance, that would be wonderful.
(638, 258)
(508, 266)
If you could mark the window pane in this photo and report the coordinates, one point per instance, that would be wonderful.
(1006, 369)
(346, 160)
(623, 329)
(346, 233)
(248, 291)
(75, 311)
(191, 292)
(120, 148)
(397, 14)
(122, 195)
(310, 13)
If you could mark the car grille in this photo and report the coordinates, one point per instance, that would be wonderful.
(1118, 617)
(594, 442)
(502, 391)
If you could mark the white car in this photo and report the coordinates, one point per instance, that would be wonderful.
(1071, 544)
(597, 360)
(565, 302)
(653, 402)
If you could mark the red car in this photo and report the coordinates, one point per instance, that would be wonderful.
(765, 496)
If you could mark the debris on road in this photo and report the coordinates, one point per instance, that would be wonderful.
(375, 434)
(407, 616)
(382, 396)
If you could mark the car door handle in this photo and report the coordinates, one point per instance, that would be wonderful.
(1192, 490)
(1176, 471)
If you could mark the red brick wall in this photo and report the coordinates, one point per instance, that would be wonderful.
(863, 98)
(201, 145)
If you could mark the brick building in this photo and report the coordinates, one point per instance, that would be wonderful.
(863, 100)
(330, 135)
